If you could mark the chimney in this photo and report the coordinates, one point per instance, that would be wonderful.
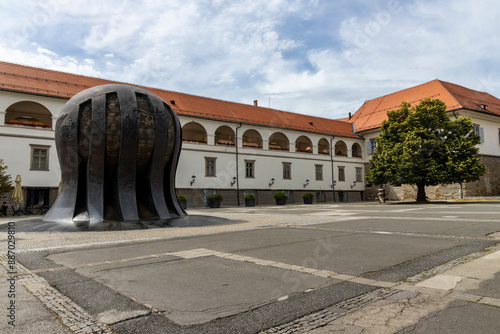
(255, 103)
(349, 116)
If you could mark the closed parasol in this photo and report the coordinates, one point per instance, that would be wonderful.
(17, 194)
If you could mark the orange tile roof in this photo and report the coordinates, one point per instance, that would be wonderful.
(373, 112)
(31, 80)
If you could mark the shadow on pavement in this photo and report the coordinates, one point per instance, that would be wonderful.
(37, 225)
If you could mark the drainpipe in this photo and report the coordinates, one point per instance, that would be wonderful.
(461, 183)
(331, 161)
(237, 168)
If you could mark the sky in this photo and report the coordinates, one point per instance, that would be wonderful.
(315, 57)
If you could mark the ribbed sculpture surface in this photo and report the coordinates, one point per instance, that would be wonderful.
(118, 148)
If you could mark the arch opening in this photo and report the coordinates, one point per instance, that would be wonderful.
(252, 139)
(279, 141)
(28, 113)
(340, 149)
(323, 146)
(224, 135)
(194, 132)
(303, 144)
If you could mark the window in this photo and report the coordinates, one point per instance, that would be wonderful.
(371, 146)
(480, 132)
(39, 157)
(341, 173)
(359, 174)
(249, 168)
(356, 150)
(319, 172)
(287, 171)
(210, 166)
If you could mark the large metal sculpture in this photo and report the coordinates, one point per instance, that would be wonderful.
(118, 148)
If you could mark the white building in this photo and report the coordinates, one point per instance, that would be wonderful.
(228, 147)
(233, 148)
(482, 108)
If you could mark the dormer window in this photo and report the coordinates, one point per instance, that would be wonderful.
(483, 106)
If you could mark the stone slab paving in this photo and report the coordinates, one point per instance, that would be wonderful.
(68, 312)
(399, 303)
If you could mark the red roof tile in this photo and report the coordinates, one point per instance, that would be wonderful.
(373, 112)
(31, 80)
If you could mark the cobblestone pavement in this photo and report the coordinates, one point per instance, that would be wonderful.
(68, 312)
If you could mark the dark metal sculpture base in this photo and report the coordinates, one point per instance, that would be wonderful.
(118, 149)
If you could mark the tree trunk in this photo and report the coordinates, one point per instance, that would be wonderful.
(421, 192)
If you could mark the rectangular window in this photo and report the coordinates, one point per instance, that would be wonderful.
(359, 174)
(480, 132)
(372, 144)
(287, 171)
(39, 157)
(250, 168)
(319, 172)
(341, 173)
(210, 166)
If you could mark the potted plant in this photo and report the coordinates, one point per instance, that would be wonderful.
(308, 198)
(182, 201)
(250, 200)
(214, 200)
(280, 198)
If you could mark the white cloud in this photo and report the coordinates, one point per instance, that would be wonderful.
(322, 58)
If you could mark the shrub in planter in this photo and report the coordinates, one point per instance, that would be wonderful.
(250, 200)
(280, 198)
(308, 198)
(214, 200)
(182, 201)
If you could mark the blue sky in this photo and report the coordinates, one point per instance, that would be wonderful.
(317, 57)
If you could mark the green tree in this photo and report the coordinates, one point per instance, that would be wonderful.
(421, 145)
(5, 181)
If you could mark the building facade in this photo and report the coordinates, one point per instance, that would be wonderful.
(237, 149)
(482, 108)
(228, 148)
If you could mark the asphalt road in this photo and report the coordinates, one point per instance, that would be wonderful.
(254, 268)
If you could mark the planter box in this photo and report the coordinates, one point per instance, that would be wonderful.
(308, 201)
(280, 201)
(214, 204)
(249, 202)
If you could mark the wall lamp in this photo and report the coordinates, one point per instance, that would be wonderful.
(271, 182)
(234, 181)
(333, 185)
(193, 178)
(306, 183)
(353, 184)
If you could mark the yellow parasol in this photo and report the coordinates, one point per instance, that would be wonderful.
(17, 194)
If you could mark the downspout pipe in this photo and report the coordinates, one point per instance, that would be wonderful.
(461, 183)
(237, 167)
(331, 161)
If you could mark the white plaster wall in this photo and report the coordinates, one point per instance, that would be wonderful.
(491, 128)
(16, 153)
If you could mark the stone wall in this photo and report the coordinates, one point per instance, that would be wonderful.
(488, 185)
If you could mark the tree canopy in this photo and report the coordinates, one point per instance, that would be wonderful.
(5, 181)
(421, 145)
